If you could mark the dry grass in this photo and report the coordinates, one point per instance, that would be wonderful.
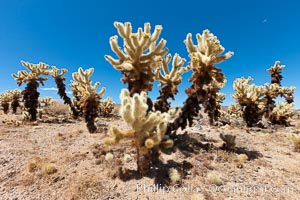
(58, 108)
(87, 187)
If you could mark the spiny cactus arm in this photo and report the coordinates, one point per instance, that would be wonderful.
(5, 97)
(173, 77)
(151, 125)
(286, 90)
(208, 50)
(245, 93)
(37, 69)
(117, 134)
(276, 67)
(57, 73)
(134, 57)
(83, 83)
(46, 100)
(14, 94)
(157, 138)
(220, 97)
(283, 110)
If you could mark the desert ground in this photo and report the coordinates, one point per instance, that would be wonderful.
(57, 158)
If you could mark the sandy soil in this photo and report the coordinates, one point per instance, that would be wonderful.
(61, 160)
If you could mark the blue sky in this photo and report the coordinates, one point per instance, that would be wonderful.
(72, 33)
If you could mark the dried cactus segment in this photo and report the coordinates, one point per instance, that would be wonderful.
(140, 56)
(89, 98)
(147, 128)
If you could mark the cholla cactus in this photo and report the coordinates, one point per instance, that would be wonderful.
(15, 96)
(251, 99)
(271, 93)
(106, 106)
(5, 98)
(169, 80)
(45, 101)
(36, 75)
(229, 141)
(147, 129)
(282, 113)
(204, 56)
(89, 97)
(275, 72)
(140, 56)
(296, 140)
(287, 93)
(235, 110)
(59, 80)
(44, 104)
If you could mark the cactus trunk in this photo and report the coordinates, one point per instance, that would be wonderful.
(162, 103)
(90, 113)
(145, 157)
(251, 114)
(5, 106)
(62, 93)
(15, 104)
(31, 96)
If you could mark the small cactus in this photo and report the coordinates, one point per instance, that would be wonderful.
(229, 141)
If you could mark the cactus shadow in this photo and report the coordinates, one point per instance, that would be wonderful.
(187, 144)
(159, 172)
(252, 155)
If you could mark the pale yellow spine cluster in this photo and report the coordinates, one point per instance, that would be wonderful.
(106, 105)
(140, 48)
(35, 71)
(207, 52)
(46, 101)
(272, 89)
(286, 90)
(220, 97)
(82, 84)
(5, 97)
(147, 128)
(14, 94)
(283, 109)
(276, 67)
(173, 77)
(235, 110)
(246, 93)
(56, 73)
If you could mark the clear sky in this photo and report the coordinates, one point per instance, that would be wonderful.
(72, 33)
